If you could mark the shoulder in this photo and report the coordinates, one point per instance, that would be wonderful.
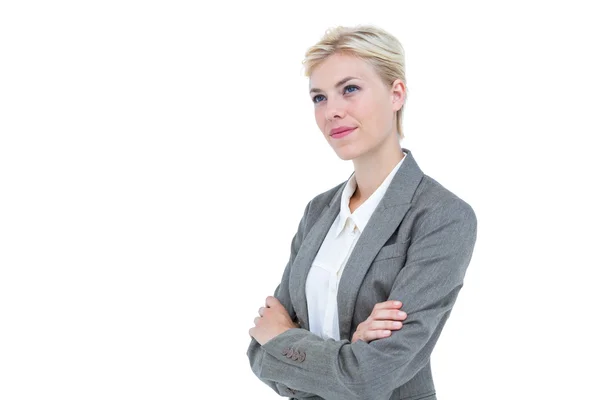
(432, 200)
(321, 200)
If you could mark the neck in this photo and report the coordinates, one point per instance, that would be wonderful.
(371, 169)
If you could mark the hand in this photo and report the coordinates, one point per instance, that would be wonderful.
(272, 321)
(381, 321)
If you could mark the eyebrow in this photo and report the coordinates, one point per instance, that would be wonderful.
(340, 83)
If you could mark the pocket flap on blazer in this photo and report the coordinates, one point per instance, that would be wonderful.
(391, 250)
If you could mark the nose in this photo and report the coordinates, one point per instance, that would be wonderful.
(335, 109)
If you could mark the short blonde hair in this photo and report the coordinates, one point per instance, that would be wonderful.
(372, 44)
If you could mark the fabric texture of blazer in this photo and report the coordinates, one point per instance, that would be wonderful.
(415, 248)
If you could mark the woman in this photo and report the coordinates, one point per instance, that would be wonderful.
(389, 237)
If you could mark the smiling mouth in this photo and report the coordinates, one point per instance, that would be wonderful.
(342, 133)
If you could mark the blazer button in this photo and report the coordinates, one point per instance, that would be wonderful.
(302, 356)
(285, 351)
(295, 356)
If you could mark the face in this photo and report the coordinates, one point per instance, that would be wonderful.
(347, 92)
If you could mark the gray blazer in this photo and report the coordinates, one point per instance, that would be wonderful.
(415, 248)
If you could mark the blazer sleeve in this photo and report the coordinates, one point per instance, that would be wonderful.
(255, 352)
(428, 284)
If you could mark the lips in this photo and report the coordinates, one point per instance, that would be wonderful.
(341, 129)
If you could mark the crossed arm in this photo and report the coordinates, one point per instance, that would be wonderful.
(428, 285)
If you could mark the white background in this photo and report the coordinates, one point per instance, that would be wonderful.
(156, 158)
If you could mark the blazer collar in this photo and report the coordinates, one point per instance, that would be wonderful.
(384, 220)
(361, 215)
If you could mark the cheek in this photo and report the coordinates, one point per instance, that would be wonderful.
(371, 112)
(320, 118)
(362, 108)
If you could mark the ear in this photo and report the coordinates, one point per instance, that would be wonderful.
(398, 94)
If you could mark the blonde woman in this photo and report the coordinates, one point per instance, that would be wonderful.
(378, 260)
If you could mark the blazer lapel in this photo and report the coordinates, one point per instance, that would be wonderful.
(384, 220)
(307, 253)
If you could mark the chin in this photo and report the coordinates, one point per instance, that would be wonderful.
(345, 158)
(347, 154)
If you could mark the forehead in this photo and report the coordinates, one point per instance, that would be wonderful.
(337, 67)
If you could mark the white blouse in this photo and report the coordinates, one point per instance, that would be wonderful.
(326, 270)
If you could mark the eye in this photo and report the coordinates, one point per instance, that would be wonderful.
(351, 86)
(315, 98)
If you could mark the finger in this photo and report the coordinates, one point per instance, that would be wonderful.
(389, 315)
(256, 320)
(377, 334)
(388, 304)
(385, 325)
(273, 302)
(383, 333)
(261, 311)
